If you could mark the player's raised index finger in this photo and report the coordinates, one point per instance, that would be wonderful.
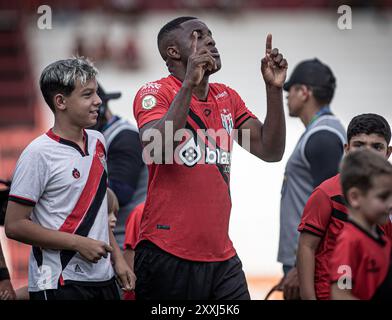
(268, 44)
(194, 41)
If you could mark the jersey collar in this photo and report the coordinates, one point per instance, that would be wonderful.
(70, 143)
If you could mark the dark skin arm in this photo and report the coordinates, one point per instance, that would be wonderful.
(267, 141)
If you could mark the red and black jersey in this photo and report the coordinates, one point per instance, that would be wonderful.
(188, 202)
(363, 260)
(324, 216)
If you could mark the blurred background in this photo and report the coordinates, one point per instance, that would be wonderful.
(120, 37)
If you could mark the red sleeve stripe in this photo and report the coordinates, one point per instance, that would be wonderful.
(21, 200)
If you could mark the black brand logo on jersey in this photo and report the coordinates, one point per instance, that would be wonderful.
(78, 269)
(372, 266)
(207, 112)
(76, 173)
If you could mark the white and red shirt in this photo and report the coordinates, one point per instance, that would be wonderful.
(66, 186)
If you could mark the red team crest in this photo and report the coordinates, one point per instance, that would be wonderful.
(76, 173)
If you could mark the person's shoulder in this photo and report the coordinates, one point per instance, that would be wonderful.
(331, 186)
(95, 134)
(39, 145)
(153, 87)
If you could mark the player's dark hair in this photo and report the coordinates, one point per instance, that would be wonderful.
(369, 123)
(359, 168)
(61, 77)
(166, 29)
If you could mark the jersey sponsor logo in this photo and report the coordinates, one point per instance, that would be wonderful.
(149, 102)
(78, 269)
(76, 173)
(221, 95)
(191, 154)
(150, 88)
(227, 121)
(372, 266)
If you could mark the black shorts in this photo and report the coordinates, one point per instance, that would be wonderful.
(107, 290)
(163, 276)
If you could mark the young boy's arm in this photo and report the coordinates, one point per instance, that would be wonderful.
(129, 256)
(314, 222)
(341, 294)
(124, 273)
(307, 247)
(18, 226)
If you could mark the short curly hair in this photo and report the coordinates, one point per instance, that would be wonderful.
(369, 123)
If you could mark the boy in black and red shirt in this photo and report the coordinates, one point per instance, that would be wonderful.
(360, 267)
(326, 212)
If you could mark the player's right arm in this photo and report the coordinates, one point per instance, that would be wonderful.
(314, 222)
(307, 246)
(18, 226)
(198, 62)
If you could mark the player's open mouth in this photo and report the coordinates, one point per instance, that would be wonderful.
(95, 112)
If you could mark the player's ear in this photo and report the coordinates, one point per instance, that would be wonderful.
(353, 197)
(346, 148)
(306, 92)
(173, 53)
(389, 151)
(59, 101)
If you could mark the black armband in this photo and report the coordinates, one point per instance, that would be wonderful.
(4, 274)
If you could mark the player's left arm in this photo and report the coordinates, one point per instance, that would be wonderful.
(267, 140)
(125, 275)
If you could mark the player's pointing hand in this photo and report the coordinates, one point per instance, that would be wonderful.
(273, 65)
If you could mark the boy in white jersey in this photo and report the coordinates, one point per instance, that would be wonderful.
(58, 201)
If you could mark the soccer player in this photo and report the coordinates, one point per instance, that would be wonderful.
(184, 250)
(57, 201)
(326, 210)
(361, 265)
(315, 158)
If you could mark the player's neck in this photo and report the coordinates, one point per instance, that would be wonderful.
(69, 132)
(201, 91)
(360, 219)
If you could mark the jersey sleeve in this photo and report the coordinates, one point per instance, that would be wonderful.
(151, 103)
(241, 113)
(30, 178)
(343, 263)
(132, 227)
(316, 214)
